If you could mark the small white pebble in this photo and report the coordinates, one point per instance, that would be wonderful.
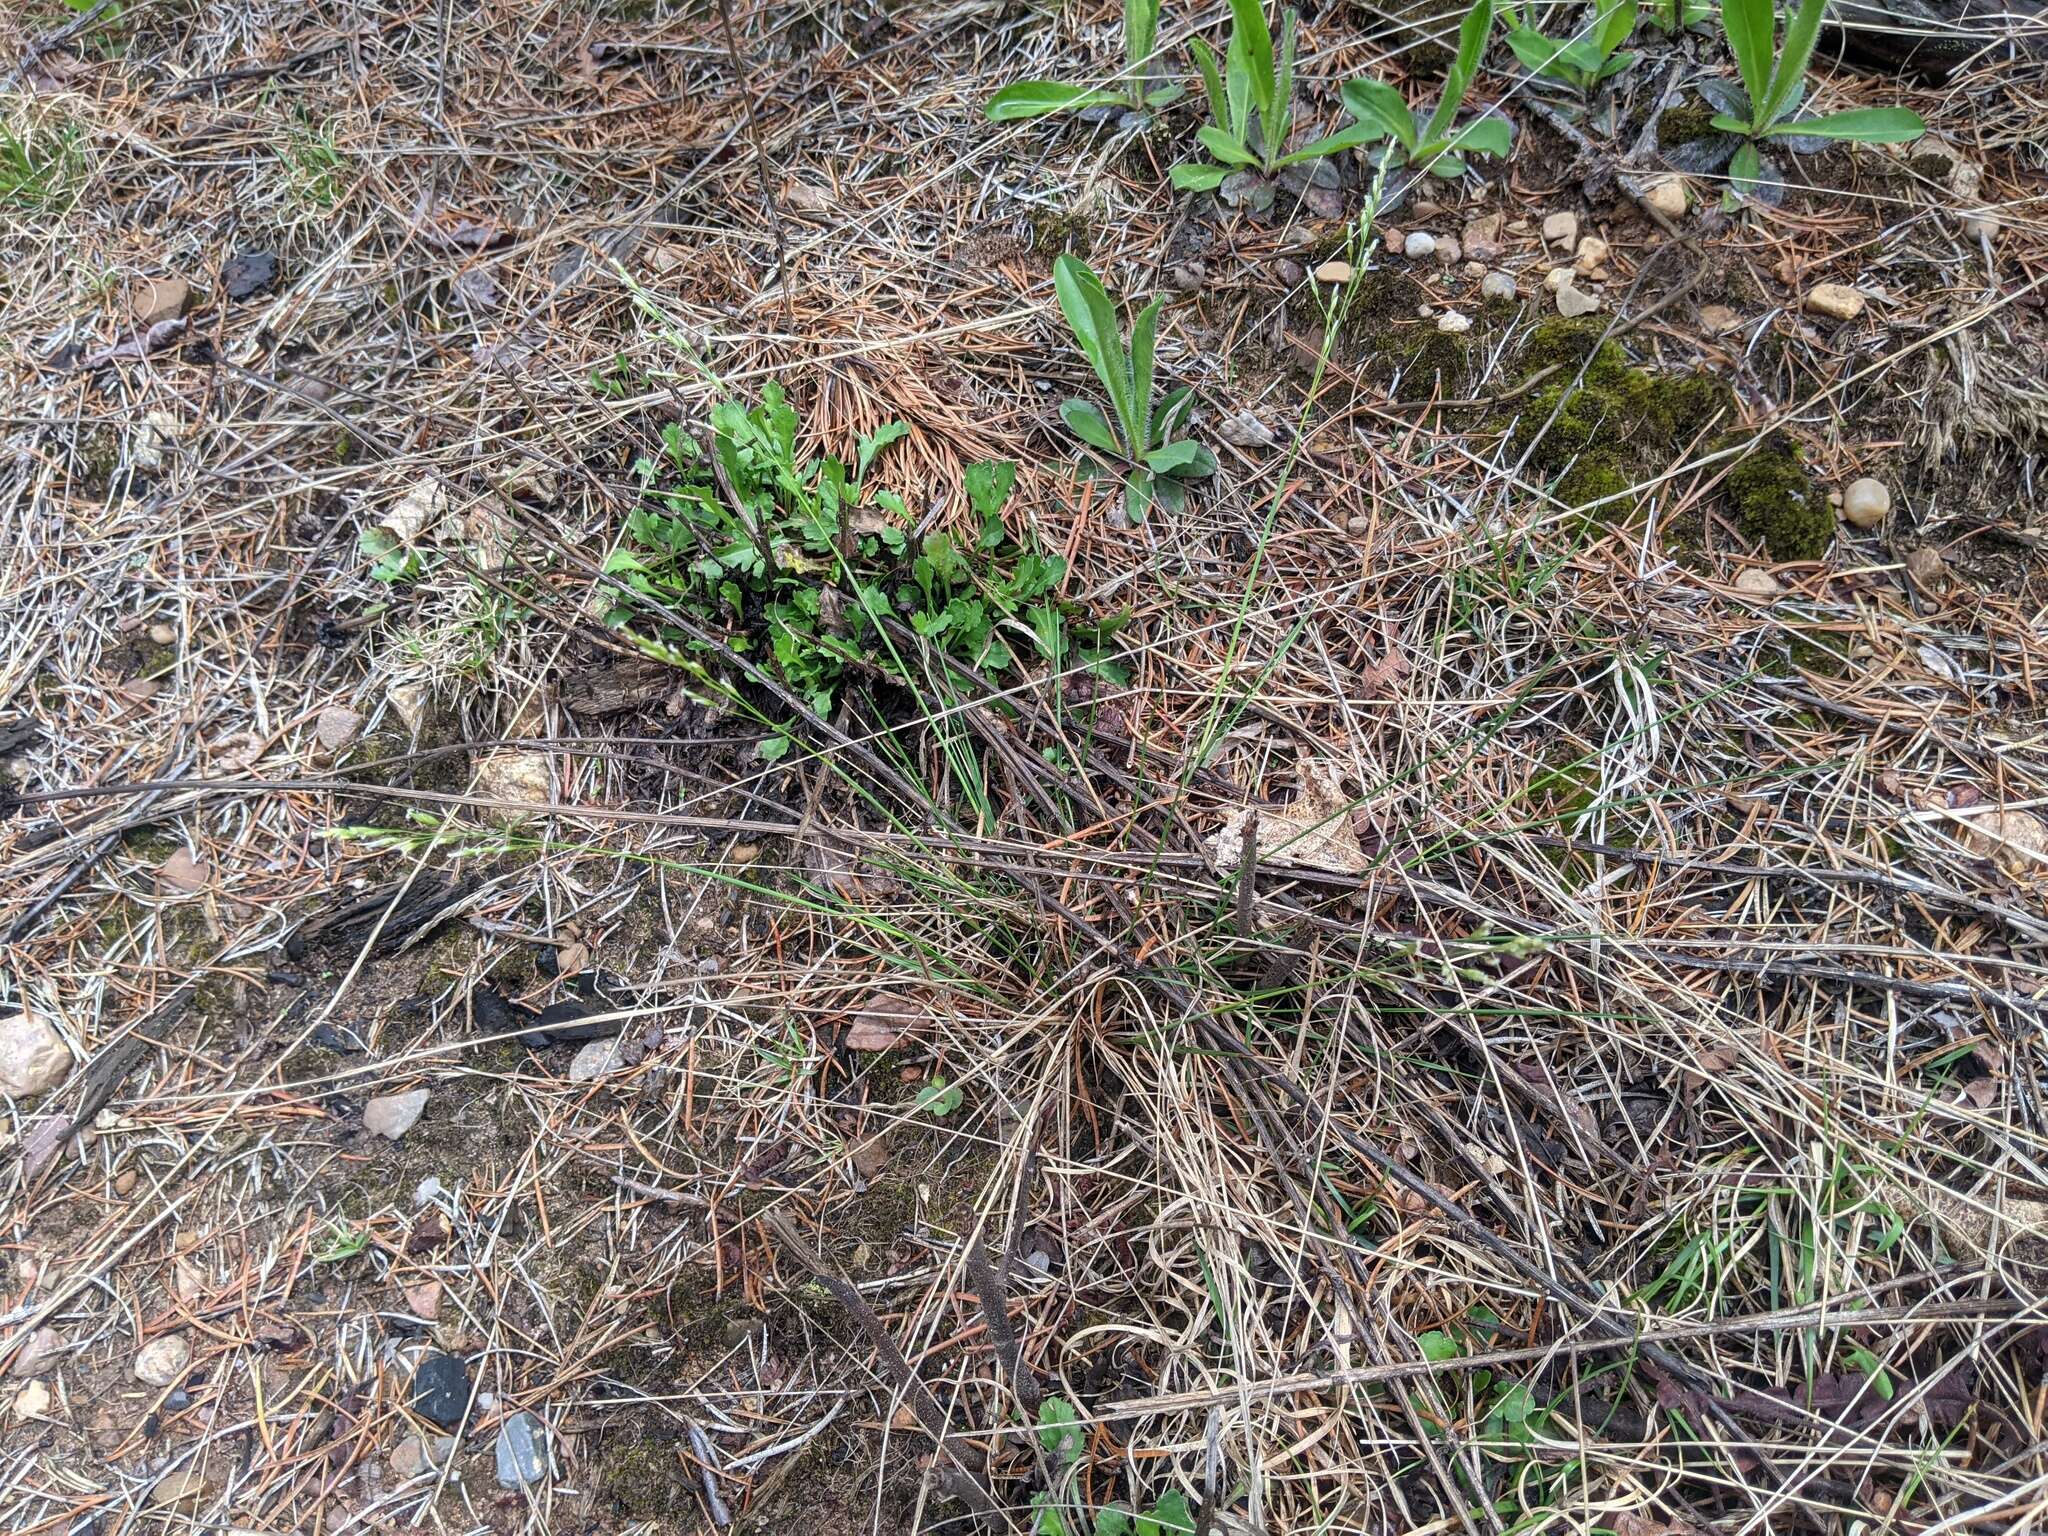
(1497, 285)
(1561, 230)
(1557, 278)
(1752, 581)
(1865, 502)
(1419, 245)
(1451, 323)
(1592, 254)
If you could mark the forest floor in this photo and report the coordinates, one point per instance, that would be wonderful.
(1485, 974)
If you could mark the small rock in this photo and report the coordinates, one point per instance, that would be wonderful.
(1981, 225)
(440, 1390)
(425, 1300)
(1335, 272)
(38, 1353)
(32, 1401)
(1359, 525)
(156, 299)
(1289, 271)
(521, 778)
(1561, 230)
(522, 1460)
(1838, 301)
(428, 1190)
(1451, 323)
(1419, 245)
(1865, 502)
(1448, 251)
(1244, 430)
(1482, 237)
(183, 874)
(1188, 276)
(393, 1114)
(1519, 227)
(1754, 581)
(124, 1182)
(1667, 195)
(1592, 255)
(161, 634)
(1928, 570)
(1475, 269)
(1571, 303)
(33, 1057)
(1719, 319)
(335, 728)
(409, 1460)
(248, 272)
(1497, 285)
(597, 1058)
(1556, 278)
(1427, 209)
(184, 1490)
(162, 1361)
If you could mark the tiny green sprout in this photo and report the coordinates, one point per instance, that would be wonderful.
(1587, 60)
(1139, 92)
(1761, 112)
(1154, 463)
(343, 1243)
(1436, 145)
(1675, 16)
(391, 559)
(939, 1097)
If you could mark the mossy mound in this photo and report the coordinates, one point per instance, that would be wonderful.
(1384, 338)
(1610, 425)
(1686, 123)
(1599, 424)
(1776, 501)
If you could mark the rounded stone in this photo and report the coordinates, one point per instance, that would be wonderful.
(440, 1390)
(1419, 245)
(1497, 285)
(1866, 502)
(162, 1361)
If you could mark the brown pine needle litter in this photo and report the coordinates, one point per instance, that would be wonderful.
(1458, 983)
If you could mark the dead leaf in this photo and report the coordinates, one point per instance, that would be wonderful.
(183, 874)
(883, 1024)
(1314, 832)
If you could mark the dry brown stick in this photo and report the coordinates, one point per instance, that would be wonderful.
(768, 202)
(971, 1485)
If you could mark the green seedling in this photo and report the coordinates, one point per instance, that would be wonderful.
(1251, 107)
(807, 567)
(1138, 91)
(1435, 145)
(1586, 61)
(1761, 112)
(939, 1097)
(1153, 464)
(1675, 16)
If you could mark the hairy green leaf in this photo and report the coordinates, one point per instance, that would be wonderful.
(1865, 125)
(1037, 98)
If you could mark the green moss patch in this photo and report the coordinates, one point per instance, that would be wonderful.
(1776, 502)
